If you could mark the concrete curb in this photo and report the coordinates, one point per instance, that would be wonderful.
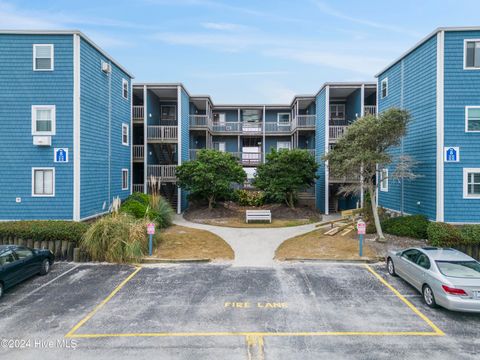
(360, 261)
(170, 261)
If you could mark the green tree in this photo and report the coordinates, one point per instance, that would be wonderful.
(364, 150)
(285, 173)
(211, 175)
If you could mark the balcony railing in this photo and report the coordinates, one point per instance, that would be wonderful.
(305, 121)
(344, 179)
(273, 127)
(138, 112)
(138, 188)
(249, 158)
(199, 121)
(251, 127)
(163, 172)
(226, 127)
(138, 152)
(336, 132)
(162, 133)
(370, 110)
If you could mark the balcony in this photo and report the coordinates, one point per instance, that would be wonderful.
(138, 113)
(305, 121)
(336, 132)
(227, 127)
(138, 188)
(138, 153)
(162, 172)
(162, 133)
(276, 128)
(370, 110)
(344, 179)
(199, 121)
(249, 158)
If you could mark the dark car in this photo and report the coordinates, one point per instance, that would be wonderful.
(18, 263)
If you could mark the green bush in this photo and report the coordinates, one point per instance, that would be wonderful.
(470, 234)
(155, 208)
(44, 230)
(116, 238)
(442, 234)
(249, 198)
(414, 226)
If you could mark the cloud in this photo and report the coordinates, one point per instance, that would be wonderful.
(240, 74)
(223, 26)
(274, 92)
(12, 18)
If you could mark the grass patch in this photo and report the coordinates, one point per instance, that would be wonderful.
(316, 245)
(181, 243)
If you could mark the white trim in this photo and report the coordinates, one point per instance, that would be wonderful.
(327, 121)
(362, 114)
(125, 126)
(289, 147)
(466, 118)
(284, 124)
(440, 203)
(466, 171)
(465, 55)
(76, 127)
(384, 180)
(384, 80)
(337, 107)
(179, 152)
(34, 119)
(177, 113)
(125, 81)
(131, 147)
(33, 181)
(52, 57)
(128, 179)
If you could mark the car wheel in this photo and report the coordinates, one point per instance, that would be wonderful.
(45, 267)
(428, 296)
(1, 290)
(391, 267)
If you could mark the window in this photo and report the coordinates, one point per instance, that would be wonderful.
(43, 120)
(23, 252)
(283, 145)
(124, 179)
(472, 54)
(471, 183)
(337, 112)
(125, 88)
(220, 146)
(411, 255)
(43, 182)
(384, 180)
(423, 261)
(283, 119)
(42, 57)
(472, 118)
(7, 258)
(125, 134)
(219, 118)
(384, 88)
(168, 112)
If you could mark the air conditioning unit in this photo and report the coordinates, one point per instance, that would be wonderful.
(228, 127)
(42, 140)
(106, 67)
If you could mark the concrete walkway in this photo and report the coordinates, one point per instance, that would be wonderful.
(253, 247)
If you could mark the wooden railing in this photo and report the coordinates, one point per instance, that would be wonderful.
(370, 110)
(138, 112)
(163, 172)
(138, 152)
(336, 132)
(138, 188)
(162, 133)
(305, 121)
(199, 121)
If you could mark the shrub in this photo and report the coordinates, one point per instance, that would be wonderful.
(414, 226)
(470, 234)
(44, 230)
(116, 238)
(249, 198)
(142, 206)
(442, 234)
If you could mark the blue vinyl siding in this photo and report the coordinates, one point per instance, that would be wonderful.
(321, 119)
(102, 111)
(272, 115)
(271, 142)
(412, 86)
(21, 87)
(231, 142)
(353, 106)
(461, 88)
(185, 131)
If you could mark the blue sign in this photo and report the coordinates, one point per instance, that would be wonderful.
(61, 155)
(452, 154)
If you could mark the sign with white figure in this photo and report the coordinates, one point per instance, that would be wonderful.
(60, 155)
(451, 154)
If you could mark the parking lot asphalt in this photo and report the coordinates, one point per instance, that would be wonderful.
(215, 311)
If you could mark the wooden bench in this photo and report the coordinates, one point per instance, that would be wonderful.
(258, 215)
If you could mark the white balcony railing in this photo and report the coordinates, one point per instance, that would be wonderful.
(251, 127)
(305, 121)
(138, 112)
(274, 127)
(370, 110)
(163, 172)
(249, 158)
(336, 132)
(199, 120)
(138, 188)
(138, 152)
(344, 179)
(162, 133)
(226, 127)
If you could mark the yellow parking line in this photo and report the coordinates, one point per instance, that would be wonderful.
(408, 303)
(102, 304)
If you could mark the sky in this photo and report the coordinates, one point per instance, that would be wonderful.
(247, 51)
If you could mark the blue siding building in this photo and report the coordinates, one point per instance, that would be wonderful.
(65, 146)
(438, 82)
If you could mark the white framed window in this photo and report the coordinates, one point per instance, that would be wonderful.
(471, 183)
(219, 118)
(471, 54)
(283, 145)
(283, 119)
(43, 57)
(472, 118)
(125, 179)
(337, 111)
(43, 119)
(220, 146)
(125, 137)
(168, 112)
(384, 180)
(125, 88)
(384, 88)
(43, 182)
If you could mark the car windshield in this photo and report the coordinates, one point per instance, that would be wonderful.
(460, 269)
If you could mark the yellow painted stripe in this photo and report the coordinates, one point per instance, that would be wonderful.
(102, 304)
(408, 303)
(262, 334)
